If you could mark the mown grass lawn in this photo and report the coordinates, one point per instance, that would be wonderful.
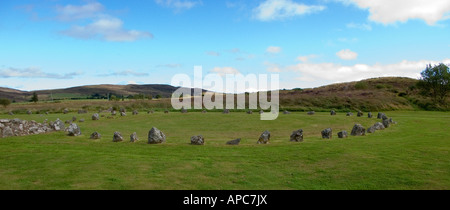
(413, 154)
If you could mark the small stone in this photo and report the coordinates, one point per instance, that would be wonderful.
(74, 130)
(197, 140)
(234, 142)
(135, 112)
(123, 114)
(378, 126)
(371, 129)
(342, 134)
(297, 135)
(29, 112)
(333, 112)
(183, 110)
(286, 112)
(155, 136)
(96, 116)
(327, 133)
(360, 114)
(134, 137)
(81, 120)
(264, 138)
(358, 130)
(74, 119)
(117, 137)
(349, 114)
(226, 111)
(249, 112)
(113, 113)
(311, 113)
(96, 135)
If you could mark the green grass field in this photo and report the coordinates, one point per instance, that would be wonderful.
(413, 154)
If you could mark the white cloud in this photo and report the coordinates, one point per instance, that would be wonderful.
(178, 4)
(347, 54)
(34, 72)
(222, 71)
(272, 67)
(106, 28)
(306, 58)
(273, 50)
(281, 9)
(389, 11)
(213, 53)
(324, 73)
(363, 26)
(71, 12)
(125, 73)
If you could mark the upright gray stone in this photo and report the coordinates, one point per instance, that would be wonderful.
(123, 114)
(360, 114)
(74, 130)
(134, 137)
(58, 125)
(342, 134)
(297, 135)
(332, 112)
(65, 111)
(96, 116)
(386, 123)
(135, 112)
(197, 140)
(380, 114)
(96, 135)
(264, 138)
(349, 114)
(117, 137)
(369, 115)
(234, 142)
(74, 119)
(155, 136)
(371, 129)
(327, 133)
(358, 130)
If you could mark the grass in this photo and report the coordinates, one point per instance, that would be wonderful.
(414, 154)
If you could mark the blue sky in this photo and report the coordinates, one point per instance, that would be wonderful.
(56, 44)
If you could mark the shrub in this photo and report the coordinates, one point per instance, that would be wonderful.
(361, 85)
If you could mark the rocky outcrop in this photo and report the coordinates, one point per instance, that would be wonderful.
(18, 127)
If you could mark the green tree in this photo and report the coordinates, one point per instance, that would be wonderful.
(5, 102)
(35, 97)
(158, 96)
(435, 82)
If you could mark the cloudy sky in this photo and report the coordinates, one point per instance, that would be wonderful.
(56, 43)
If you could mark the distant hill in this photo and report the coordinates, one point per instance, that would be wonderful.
(84, 92)
(384, 93)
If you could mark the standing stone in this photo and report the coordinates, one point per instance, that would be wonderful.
(74, 130)
(327, 133)
(380, 115)
(58, 125)
(156, 136)
(123, 114)
(360, 114)
(135, 112)
(342, 134)
(95, 116)
(96, 135)
(369, 115)
(333, 112)
(74, 119)
(384, 117)
(264, 138)
(197, 140)
(117, 137)
(349, 114)
(134, 137)
(226, 111)
(378, 126)
(65, 111)
(113, 112)
(183, 110)
(386, 123)
(358, 130)
(234, 142)
(286, 112)
(297, 135)
(311, 112)
(371, 129)
(249, 112)
(29, 112)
